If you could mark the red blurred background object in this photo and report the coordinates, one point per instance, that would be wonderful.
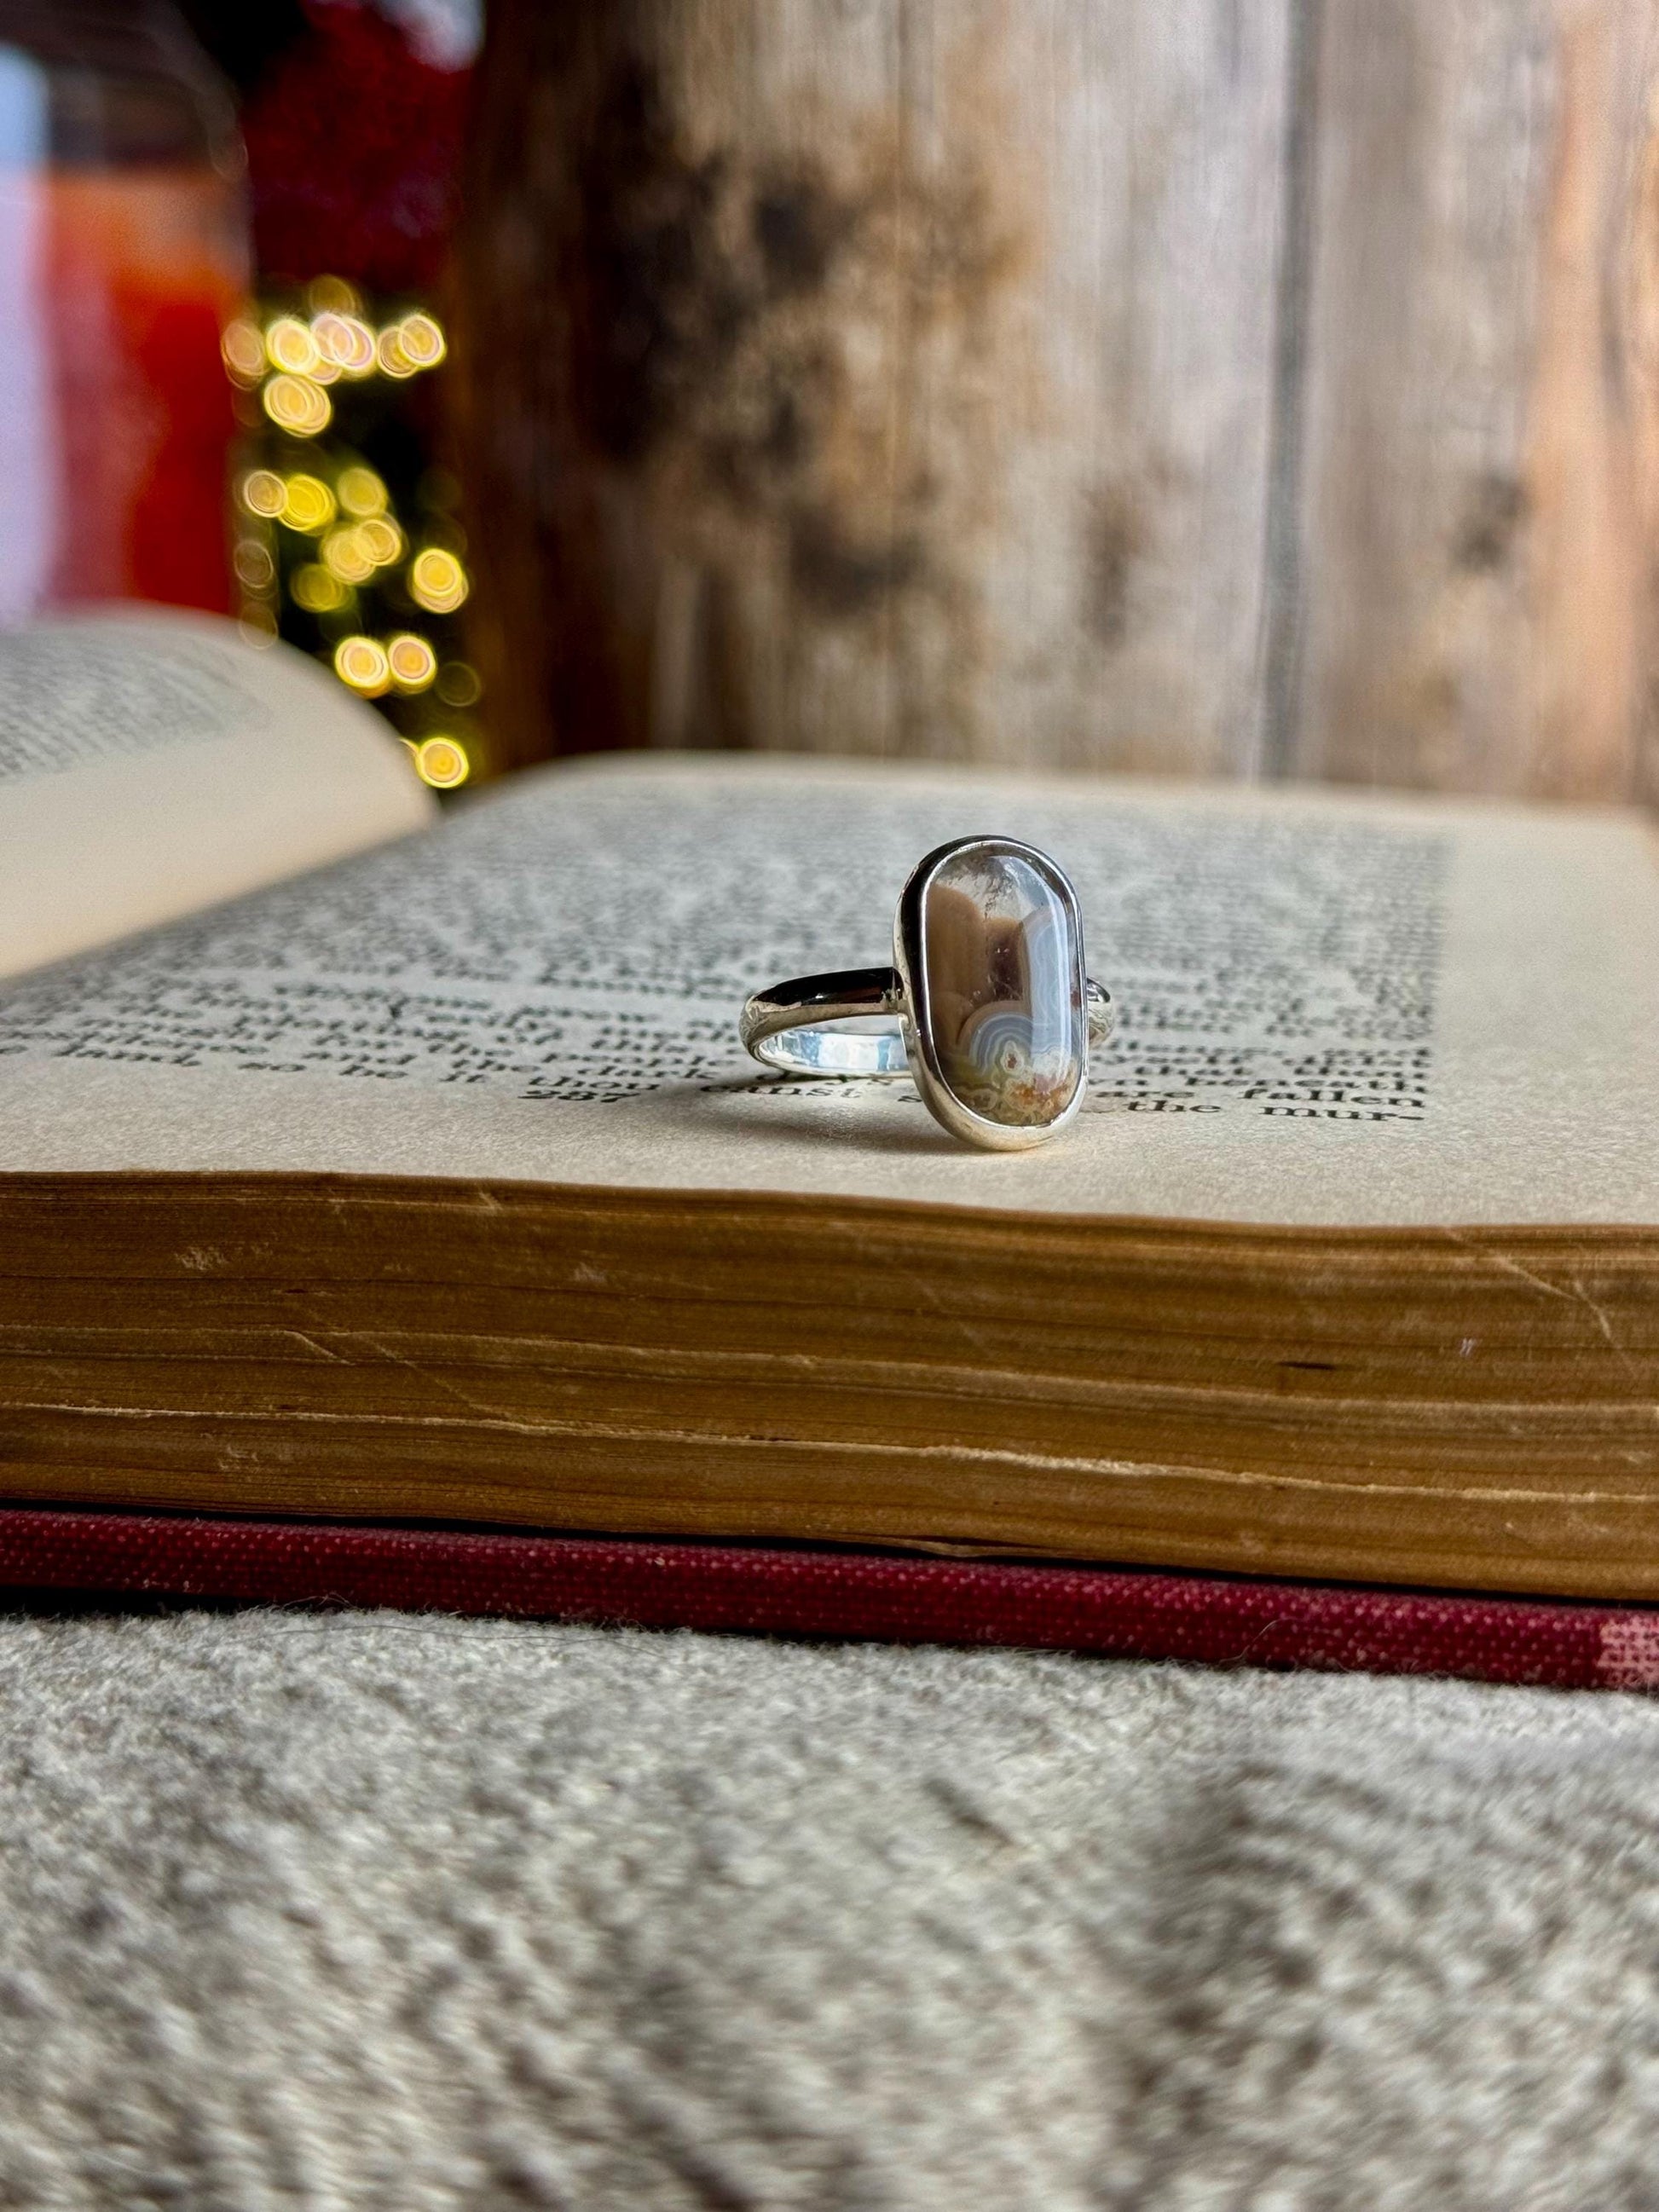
(353, 144)
(140, 280)
(123, 251)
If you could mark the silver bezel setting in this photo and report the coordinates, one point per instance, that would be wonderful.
(909, 959)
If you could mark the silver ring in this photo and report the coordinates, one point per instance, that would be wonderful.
(987, 1006)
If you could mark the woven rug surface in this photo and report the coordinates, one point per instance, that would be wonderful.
(371, 1911)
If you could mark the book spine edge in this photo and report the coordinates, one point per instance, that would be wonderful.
(1107, 1613)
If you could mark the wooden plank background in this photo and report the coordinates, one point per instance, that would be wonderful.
(1229, 388)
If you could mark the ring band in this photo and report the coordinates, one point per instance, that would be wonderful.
(784, 1027)
(987, 1006)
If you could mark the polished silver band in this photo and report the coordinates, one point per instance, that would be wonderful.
(788, 1027)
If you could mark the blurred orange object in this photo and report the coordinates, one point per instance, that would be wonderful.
(124, 253)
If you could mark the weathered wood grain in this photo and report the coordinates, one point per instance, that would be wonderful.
(1174, 385)
(1478, 536)
(889, 377)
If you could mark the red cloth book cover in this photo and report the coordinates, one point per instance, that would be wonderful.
(1113, 1612)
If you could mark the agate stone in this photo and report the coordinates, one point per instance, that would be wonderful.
(1003, 978)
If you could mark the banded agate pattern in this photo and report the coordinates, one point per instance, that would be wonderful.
(1005, 1005)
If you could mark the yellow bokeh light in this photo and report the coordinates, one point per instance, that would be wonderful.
(289, 345)
(297, 405)
(344, 557)
(361, 663)
(307, 504)
(254, 565)
(361, 491)
(257, 625)
(421, 340)
(317, 591)
(345, 342)
(412, 661)
(380, 539)
(264, 492)
(437, 580)
(441, 763)
(458, 684)
(333, 295)
(244, 350)
(389, 352)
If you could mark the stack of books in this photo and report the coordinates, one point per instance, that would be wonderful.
(378, 1189)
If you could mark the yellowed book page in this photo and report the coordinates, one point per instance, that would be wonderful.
(153, 762)
(1337, 1008)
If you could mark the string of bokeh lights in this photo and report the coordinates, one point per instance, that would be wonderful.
(329, 527)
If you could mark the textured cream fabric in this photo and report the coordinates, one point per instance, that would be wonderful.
(375, 1911)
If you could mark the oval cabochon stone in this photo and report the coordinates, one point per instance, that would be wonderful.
(1005, 1008)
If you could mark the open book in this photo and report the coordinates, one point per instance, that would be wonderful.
(432, 1180)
